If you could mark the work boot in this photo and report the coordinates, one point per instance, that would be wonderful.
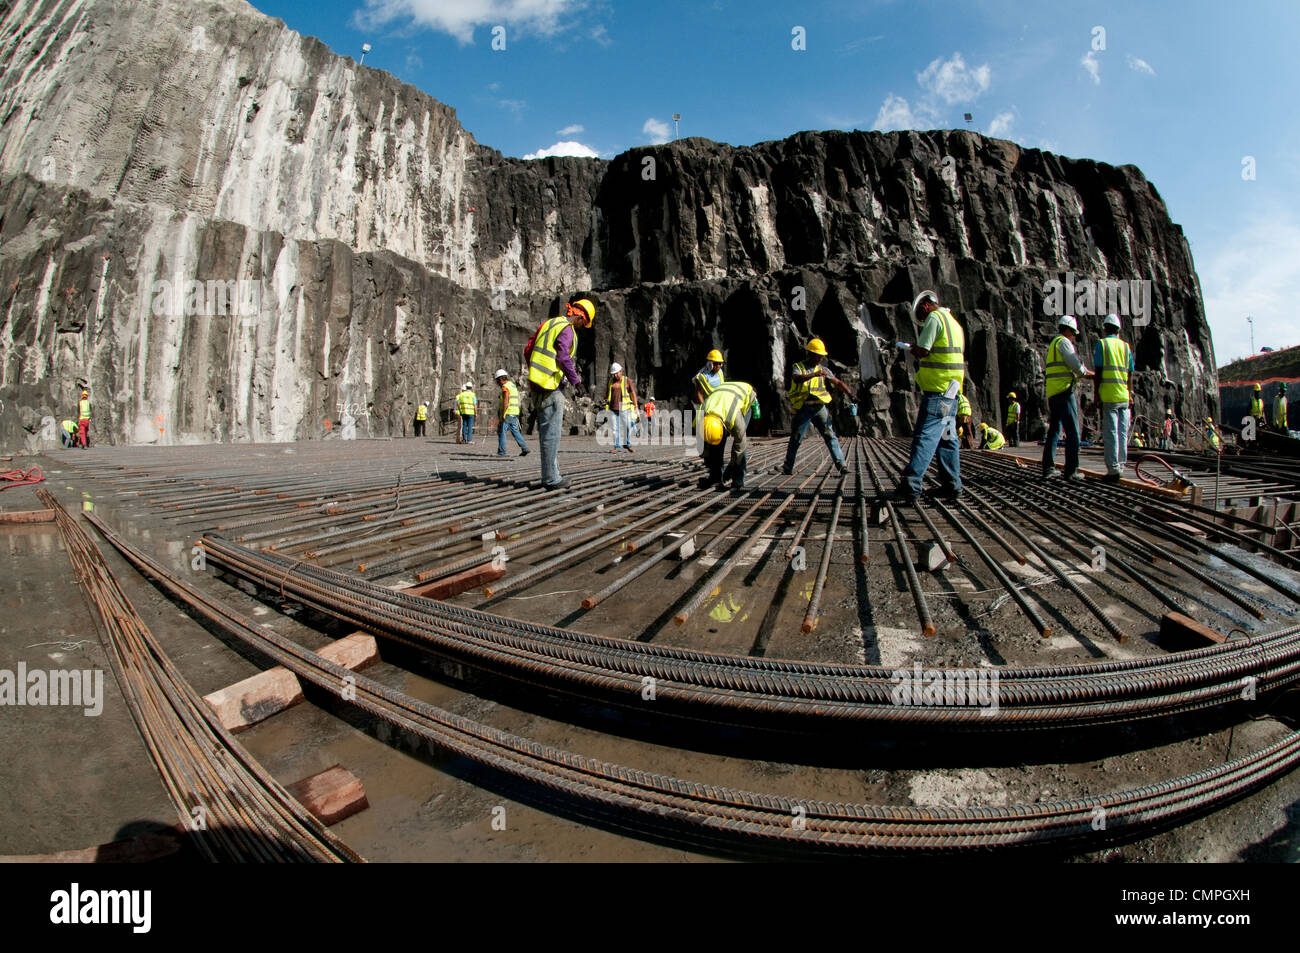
(840, 466)
(901, 495)
(562, 485)
(1075, 477)
(948, 494)
(705, 482)
(1052, 474)
(1112, 478)
(524, 452)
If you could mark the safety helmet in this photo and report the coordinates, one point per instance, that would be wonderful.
(1112, 321)
(1209, 420)
(1067, 321)
(468, 386)
(1012, 395)
(1257, 387)
(715, 356)
(1169, 413)
(586, 307)
(815, 346)
(713, 429)
(86, 393)
(920, 299)
(501, 373)
(615, 368)
(984, 425)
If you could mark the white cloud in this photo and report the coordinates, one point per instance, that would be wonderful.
(1092, 65)
(459, 18)
(565, 148)
(570, 130)
(1001, 124)
(657, 130)
(1256, 273)
(896, 113)
(1140, 65)
(952, 81)
(516, 106)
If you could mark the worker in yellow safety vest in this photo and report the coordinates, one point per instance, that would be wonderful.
(550, 366)
(940, 376)
(1257, 406)
(1112, 359)
(809, 398)
(421, 418)
(68, 434)
(467, 407)
(1063, 368)
(621, 400)
(1013, 420)
(1279, 408)
(991, 439)
(1212, 441)
(508, 414)
(709, 377)
(83, 420)
(727, 411)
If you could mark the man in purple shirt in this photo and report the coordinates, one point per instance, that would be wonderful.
(550, 365)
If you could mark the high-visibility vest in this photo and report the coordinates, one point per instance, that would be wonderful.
(1013, 412)
(1138, 441)
(1059, 376)
(1213, 435)
(625, 390)
(649, 408)
(465, 403)
(69, 427)
(422, 412)
(729, 401)
(706, 382)
(1113, 373)
(1256, 407)
(815, 386)
(509, 399)
(1279, 411)
(963, 406)
(994, 440)
(83, 408)
(543, 364)
(946, 361)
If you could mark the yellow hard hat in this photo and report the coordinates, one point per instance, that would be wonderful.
(1012, 395)
(1209, 420)
(586, 307)
(85, 393)
(713, 429)
(984, 426)
(815, 346)
(1257, 387)
(715, 356)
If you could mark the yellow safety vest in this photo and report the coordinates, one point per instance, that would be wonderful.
(1214, 436)
(69, 427)
(1059, 376)
(946, 361)
(543, 365)
(509, 399)
(994, 440)
(1138, 441)
(1256, 407)
(1279, 411)
(1113, 373)
(624, 388)
(729, 401)
(465, 403)
(705, 385)
(422, 412)
(83, 409)
(813, 387)
(1013, 412)
(963, 406)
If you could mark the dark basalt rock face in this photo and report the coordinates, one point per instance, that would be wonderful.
(385, 257)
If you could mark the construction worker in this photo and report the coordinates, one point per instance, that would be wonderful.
(1139, 441)
(1167, 431)
(1212, 441)
(709, 377)
(1279, 408)
(1113, 360)
(508, 414)
(727, 411)
(68, 433)
(421, 416)
(809, 397)
(649, 407)
(991, 439)
(965, 429)
(1257, 406)
(83, 420)
(550, 365)
(940, 375)
(1013, 420)
(467, 407)
(1063, 368)
(621, 400)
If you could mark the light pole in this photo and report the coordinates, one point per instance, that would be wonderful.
(365, 48)
(677, 130)
(1251, 322)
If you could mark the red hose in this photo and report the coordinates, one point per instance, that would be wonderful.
(13, 478)
(1137, 469)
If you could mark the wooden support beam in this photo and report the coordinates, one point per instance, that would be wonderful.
(331, 795)
(449, 586)
(1178, 631)
(28, 516)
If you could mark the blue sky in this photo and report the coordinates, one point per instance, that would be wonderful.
(1184, 90)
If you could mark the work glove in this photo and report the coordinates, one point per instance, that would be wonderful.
(902, 345)
(579, 391)
(853, 409)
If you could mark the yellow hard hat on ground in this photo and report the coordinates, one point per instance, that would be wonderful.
(815, 346)
(713, 429)
(715, 356)
(586, 307)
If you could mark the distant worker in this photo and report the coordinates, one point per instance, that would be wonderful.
(809, 397)
(991, 439)
(1257, 406)
(83, 420)
(727, 411)
(1013, 420)
(508, 414)
(1139, 441)
(622, 400)
(649, 407)
(550, 365)
(467, 407)
(1279, 408)
(1212, 441)
(709, 377)
(68, 433)
(940, 374)
(1112, 360)
(965, 430)
(421, 416)
(1063, 368)
(1167, 431)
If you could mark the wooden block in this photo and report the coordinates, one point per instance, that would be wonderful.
(28, 516)
(933, 558)
(1178, 631)
(685, 551)
(449, 586)
(257, 697)
(355, 651)
(331, 795)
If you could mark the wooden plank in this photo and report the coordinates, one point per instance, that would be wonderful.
(1178, 631)
(28, 516)
(331, 795)
(450, 586)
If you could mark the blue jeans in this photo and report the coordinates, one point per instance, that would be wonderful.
(1063, 410)
(1114, 435)
(736, 469)
(622, 428)
(550, 421)
(935, 429)
(510, 424)
(466, 427)
(812, 412)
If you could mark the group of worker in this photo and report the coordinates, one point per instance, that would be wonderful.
(1279, 408)
(77, 434)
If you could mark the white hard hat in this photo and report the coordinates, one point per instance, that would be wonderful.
(468, 386)
(916, 302)
(1067, 321)
(615, 368)
(1112, 321)
(502, 373)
